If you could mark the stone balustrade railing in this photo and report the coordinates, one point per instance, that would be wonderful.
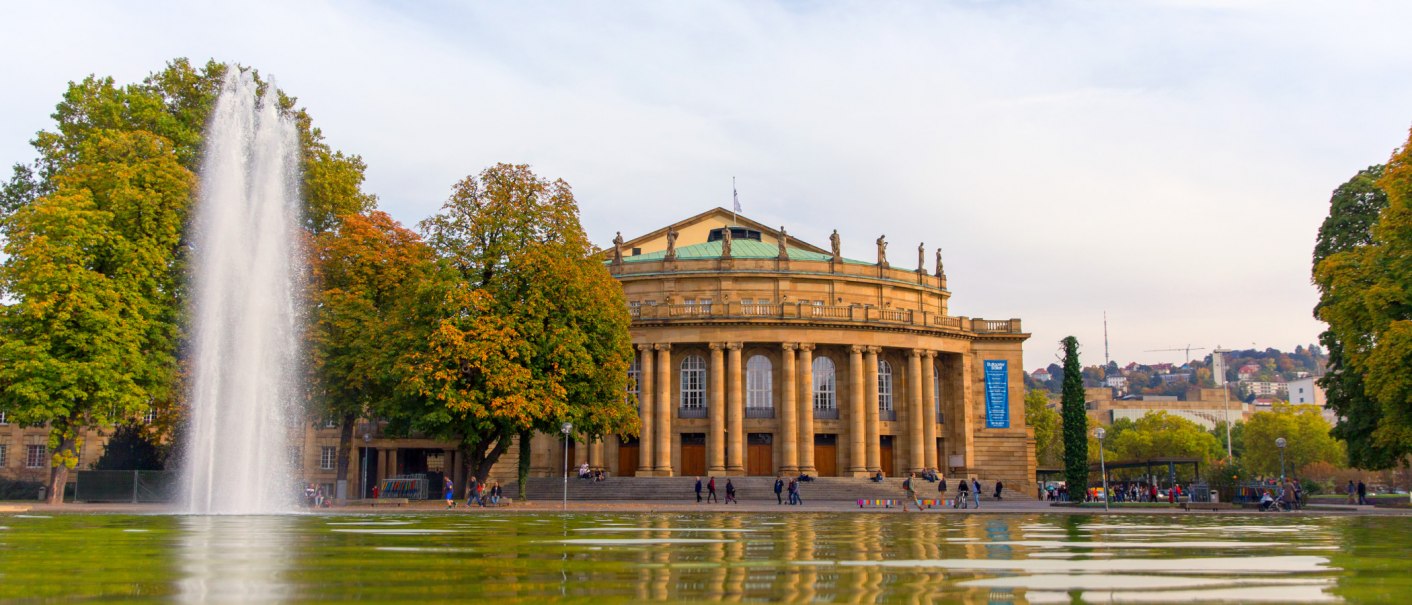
(861, 314)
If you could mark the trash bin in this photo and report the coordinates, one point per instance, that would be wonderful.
(43, 493)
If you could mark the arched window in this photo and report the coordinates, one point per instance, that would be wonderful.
(693, 383)
(884, 386)
(825, 384)
(757, 384)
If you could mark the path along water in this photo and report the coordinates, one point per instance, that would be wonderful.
(624, 557)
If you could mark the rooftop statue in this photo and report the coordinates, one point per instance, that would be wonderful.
(940, 272)
(834, 243)
(922, 258)
(784, 235)
(671, 244)
(882, 251)
(726, 243)
(618, 249)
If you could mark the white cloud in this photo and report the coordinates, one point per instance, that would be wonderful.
(1166, 161)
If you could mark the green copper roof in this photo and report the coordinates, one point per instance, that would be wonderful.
(741, 248)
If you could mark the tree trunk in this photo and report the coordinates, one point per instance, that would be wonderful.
(59, 467)
(345, 447)
(524, 467)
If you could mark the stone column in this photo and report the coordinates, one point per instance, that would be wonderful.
(915, 418)
(929, 411)
(858, 417)
(789, 427)
(735, 418)
(595, 453)
(806, 409)
(646, 410)
(716, 440)
(581, 447)
(870, 379)
(967, 418)
(662, 449)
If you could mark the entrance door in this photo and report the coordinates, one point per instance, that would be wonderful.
(693, 454)
(885, 454)
(573, 468)
(826, 455)
(940, 454)
(627, 456)
(758, 458)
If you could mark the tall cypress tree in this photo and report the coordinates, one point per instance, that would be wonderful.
(1075, 420)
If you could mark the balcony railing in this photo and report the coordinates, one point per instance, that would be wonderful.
(831, 313)
(691, 412)
(826, 414)
(759, 412)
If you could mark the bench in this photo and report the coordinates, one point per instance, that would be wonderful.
(1206, 505)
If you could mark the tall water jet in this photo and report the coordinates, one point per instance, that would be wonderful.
(245, 397)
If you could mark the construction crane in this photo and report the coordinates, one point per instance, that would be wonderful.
(1188, 350)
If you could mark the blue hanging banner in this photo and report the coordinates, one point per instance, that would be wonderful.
(997, 394)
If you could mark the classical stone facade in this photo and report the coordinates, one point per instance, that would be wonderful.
(759, 354)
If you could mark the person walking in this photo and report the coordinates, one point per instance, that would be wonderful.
(909, 495)
(450, 494)
(779, 490)
(471, 491)
(698, 490)
(1362, 493)
(1352, 492)
(711, 491)
(998, 486)
(976, 490)
(794, 493)
(730, 492)
(941, 490)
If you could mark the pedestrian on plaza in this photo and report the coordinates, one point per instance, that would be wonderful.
(730, 492)
(976, 490)
(779, 490)
(711, 490)
(1352, 492)
(941, 490)
(698, 490)
(480, 495)
(794, 498)
(909, 495)
(1362, 493)
(963, 495)
(495, 493)
(471, 491)
(998, 486)
(450, 494)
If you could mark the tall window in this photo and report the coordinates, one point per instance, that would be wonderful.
(4, 451)
(35, 456)
(936, 393)
(825, 384)
(634, 378)
(693, 382)
(757, 383)
(884, 386)
(327, 457)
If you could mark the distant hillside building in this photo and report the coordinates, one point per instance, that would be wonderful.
(1305, 390)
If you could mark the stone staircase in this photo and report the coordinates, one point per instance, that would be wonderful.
(680, 489)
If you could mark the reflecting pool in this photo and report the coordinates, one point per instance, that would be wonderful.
(698, 557)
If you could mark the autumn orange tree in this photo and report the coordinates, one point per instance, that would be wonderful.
(364, 267)
(520, 330)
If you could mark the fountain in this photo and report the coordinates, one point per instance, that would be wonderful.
(245, 397)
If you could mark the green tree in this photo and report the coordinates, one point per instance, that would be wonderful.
(1049, 445)
(1237, 437)
(1365, 284)
(1306, 435)
(1347, 231)
(521, 330)
(365, 268)
(1075, 418)
(1163, 435)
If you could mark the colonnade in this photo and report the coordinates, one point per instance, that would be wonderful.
(794, 406)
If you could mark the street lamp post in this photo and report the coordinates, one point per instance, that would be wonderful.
(363, 472)
(1102, 466)
(1280, 443)
(566, 429)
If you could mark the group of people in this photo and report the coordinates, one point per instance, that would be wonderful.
(968, 494)
(1360, 491)
(793, 489)
(594, 474)
(1289, 497)
(476, 493)
(314, 496)
(711, 491)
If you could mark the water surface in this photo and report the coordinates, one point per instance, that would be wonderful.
(705, 557)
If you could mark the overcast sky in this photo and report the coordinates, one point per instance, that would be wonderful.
(1166, 161)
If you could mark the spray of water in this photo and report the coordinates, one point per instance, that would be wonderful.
(245, 398)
